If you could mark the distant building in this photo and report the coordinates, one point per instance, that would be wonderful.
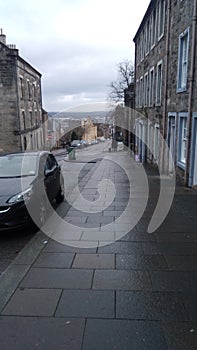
(90, 130)
(22, 118)
(129, 103)
(166, 85)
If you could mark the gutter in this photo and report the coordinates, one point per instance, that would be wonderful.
(166, 87)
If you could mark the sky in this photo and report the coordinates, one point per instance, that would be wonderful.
(75, 44)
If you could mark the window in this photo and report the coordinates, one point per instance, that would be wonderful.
(161, 19)
(147, 37)
(137, 94)
(183, 61)
(51, 163)
(24, 120)
(141, 93)
(151, 87)
(153, 36)
(146, 89)
(156, 142)
(31, 118)
(150, 140)
(29, 90)
(182, 149)
(21, 88)
(159, 83)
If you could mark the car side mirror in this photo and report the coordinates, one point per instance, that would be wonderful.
(48, 172)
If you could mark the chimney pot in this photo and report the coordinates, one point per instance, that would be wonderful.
(2, 37)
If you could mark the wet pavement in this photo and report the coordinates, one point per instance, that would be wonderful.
(99, 285)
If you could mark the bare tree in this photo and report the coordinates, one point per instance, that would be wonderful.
(125, 77)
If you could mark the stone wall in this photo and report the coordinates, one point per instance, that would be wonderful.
(9, 121)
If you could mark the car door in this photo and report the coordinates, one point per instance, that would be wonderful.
(52, 177)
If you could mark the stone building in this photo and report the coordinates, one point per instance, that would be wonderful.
(22, 119)
(165, 86)
(89, 129)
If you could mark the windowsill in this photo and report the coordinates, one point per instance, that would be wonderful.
(181, 165)
(179, 90)
(161, 36)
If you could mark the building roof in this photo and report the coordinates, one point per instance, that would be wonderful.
(147, 13)
(13, 51)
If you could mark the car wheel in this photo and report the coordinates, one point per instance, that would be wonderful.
(60, 197)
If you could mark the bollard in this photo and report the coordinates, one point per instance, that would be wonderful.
(71, 153)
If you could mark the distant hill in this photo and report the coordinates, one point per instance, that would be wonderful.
(78, 115)
(99, 116)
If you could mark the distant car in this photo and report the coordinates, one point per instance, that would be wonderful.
(28, 183)
(76, 143)
(120, 146)
(84, 143)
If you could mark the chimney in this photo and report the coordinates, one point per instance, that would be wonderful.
(2, 37)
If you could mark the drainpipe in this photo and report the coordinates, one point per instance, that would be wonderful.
(17, 100)
(191, 87)
(166, 87)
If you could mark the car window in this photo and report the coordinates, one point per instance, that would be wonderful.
(18, 165)
(50, 163)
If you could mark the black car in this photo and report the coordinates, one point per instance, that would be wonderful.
(29, 182)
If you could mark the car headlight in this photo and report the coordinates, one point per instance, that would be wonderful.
(20, 197)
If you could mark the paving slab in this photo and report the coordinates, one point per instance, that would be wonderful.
(180, 335)
(57, 278)
(94, 261)
(54, 260)
(121, 280)
(122, 248)
(141, 262)
(181, 262)
(150, 306)
(56, 247)
(174, 280)
(123, 334)
(33, 302)
(86, 304)
(43, 333)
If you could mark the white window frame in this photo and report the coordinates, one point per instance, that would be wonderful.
(141, 92)
(156, 142)
(183, 61)
(146, 89)
(159, 83)
(137, 93)
(29, 89)
(150, 140)
(154, 28)
(147, 31)
(161, 19)
(151, 86)
(22, 88)
(24, 119)
(182, 140)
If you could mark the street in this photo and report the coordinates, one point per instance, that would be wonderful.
(97, 279)
(12, 242)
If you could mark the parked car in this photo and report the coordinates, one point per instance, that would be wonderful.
(76, 143)
(84, 143)
(28, 182)
(120, 146)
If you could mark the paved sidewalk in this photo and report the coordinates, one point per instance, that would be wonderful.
(99, 285)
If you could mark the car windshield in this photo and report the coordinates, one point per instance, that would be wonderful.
(17, 165)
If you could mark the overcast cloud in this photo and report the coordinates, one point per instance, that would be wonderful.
(76, 45)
